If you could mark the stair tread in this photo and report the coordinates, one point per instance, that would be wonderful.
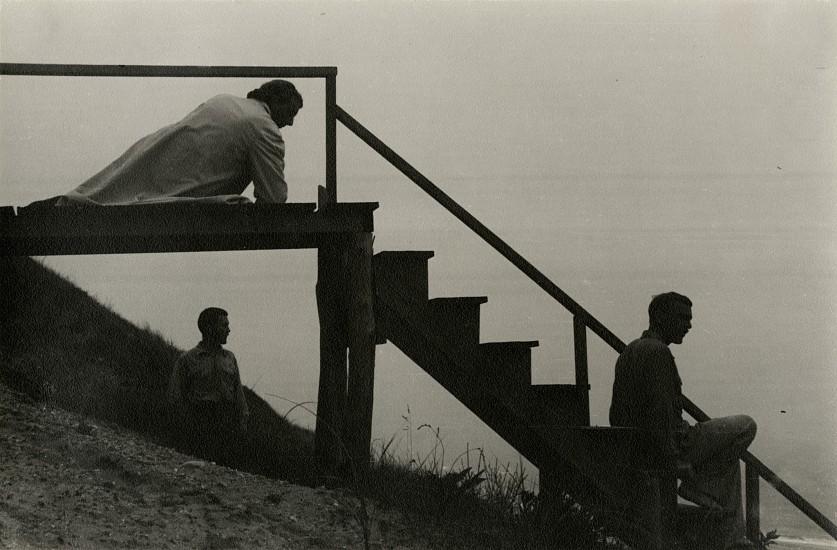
(441, 300)
(417, 254)
(511, 344)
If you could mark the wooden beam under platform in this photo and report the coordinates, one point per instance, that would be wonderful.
(177, 227)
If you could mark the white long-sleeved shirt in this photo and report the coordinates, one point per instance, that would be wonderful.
(212, 155)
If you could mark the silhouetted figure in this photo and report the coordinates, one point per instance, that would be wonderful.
(205, 388)
(647, 394)
(211, 155)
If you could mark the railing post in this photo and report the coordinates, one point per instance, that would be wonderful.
(331, 137)
(581, 380)
(751, 476)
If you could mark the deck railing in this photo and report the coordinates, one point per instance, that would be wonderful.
(329, 74)
(582, 319)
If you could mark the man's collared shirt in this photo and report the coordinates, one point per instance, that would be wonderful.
(647, 392)
(202, 376)
(212, 155)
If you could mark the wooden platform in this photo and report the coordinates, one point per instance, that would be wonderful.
(177, 227)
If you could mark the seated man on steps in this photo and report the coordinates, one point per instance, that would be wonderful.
(211, 155)
(647, 394)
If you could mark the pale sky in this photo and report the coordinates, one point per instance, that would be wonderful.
(496, 89)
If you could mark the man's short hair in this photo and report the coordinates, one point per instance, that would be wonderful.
(664, 303)
(282, 90)
(209, 317)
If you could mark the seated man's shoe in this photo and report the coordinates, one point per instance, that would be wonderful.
(701, 499)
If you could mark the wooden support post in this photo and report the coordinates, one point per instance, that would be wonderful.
(650, 512)
(345, 306)
(751, 483)
(581, 380)
(361, 341)
(668, 507)
(329, 448)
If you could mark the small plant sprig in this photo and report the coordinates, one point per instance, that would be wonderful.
(766, 540)
(475, 501)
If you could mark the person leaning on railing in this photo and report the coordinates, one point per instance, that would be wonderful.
(647, 394)
(212, 155)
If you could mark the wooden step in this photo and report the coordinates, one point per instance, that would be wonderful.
(455, 320)
(507, 363)
(401, 276)
(568, 400)
(506, 408)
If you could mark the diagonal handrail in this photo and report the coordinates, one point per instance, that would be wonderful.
(479, 228)
(562, 297)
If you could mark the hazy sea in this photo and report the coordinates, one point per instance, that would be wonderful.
(757, 255)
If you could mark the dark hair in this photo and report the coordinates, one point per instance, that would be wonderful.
(664, 303)
(209, 317)
(282, 90)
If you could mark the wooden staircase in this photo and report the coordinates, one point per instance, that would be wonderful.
(443, 336)
(547, 424)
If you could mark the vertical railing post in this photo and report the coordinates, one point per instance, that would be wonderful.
(331, 138)
(581, 380)
(751, 482)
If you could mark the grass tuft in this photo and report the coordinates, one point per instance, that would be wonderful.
(476, 502)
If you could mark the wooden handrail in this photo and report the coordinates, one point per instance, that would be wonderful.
(185, 71)
(582, 318)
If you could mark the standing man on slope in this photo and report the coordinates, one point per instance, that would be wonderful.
(212, 155)
(647, 394)
(205, 388)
